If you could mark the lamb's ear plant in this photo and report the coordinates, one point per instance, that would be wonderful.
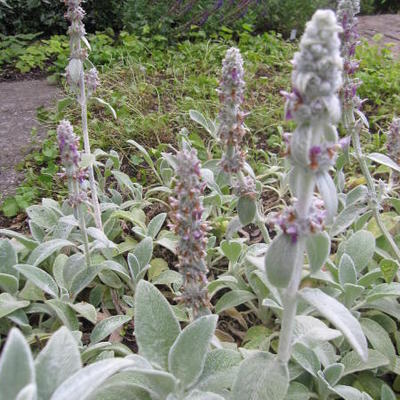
(173, 363)
(314, 105)
(56, 373)
(84, 84)
(354, 120)
(229, 132)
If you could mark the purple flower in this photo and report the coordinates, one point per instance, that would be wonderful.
(187, 223)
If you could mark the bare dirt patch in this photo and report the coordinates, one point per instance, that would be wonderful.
(387, 25)
(19, 101)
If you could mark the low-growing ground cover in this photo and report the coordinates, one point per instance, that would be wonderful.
(152, 86)
(293, 245)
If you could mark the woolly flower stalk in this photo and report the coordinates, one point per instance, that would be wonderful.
(393, 146)
(315, 107)
(84, 84)
(187, 223)
(231, 128)
(346, 14)
(68, 143)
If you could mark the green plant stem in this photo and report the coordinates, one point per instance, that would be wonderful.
(305, 191)
(82, 223)
(350, 126)
(86, 144)
(259, 221)
(290, 309)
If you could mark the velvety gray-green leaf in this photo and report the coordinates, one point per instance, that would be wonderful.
(45, 250)
(39, 278)
(261, 377)
(85, 381)
(9, 304)
(339, 316)
(156, 326)
(16, 366)
(353, 363)
(280, 260)
(318, 248)
(56, 362)
(188, 354)
(107, 326)
(233, 298)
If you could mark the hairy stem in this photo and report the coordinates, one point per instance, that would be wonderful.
(86, 145)
(349, 124)
(290, 308)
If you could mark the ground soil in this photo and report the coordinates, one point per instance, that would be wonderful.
(20, 98)
(386, 24)
(19, 101)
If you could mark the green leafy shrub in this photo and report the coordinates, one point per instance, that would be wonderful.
(46, 16)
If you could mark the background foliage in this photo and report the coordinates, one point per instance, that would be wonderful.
(170, 16)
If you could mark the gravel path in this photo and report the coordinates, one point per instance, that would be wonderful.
(18, 104)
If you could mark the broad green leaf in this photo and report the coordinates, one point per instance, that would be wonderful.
(86, 310)
(39, 278)
(158, 383)
(232, 299)
(156, 326)
(111, 390)
(186, 360)
(205, 122)
(349, 393)
(360, 247)
(107, 326)
(45, 250)
(8, 283)
(280, 259)
(65, 313)
(384, 290)
(16, 366)
(144, 252)
(9, 304)
(384, 160)
(309, 330)
(85, 381)
(389, 269)
(146, 156)
(333, 373)
(318, 248)
(231, 250)
(339, 316)
(347, 270)
(219, 370)
(346, 217)
(28, 243)
(379, 339)
(44, 217)
(328, 191)
(261, 377)
(106, 104)
(198, 395)
(29, 392)
(8, 258)
(246, 209)
(306, 357)
(156, 224)
(387, 393)
(56, 362)
(297, 391)
(353, 363)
